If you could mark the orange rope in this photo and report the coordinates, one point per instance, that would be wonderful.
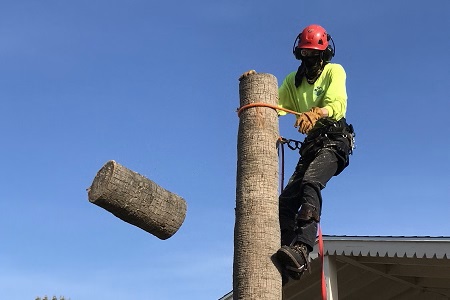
(239, 110)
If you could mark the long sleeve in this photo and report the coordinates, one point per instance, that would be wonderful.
(335, 97)
(287, 95)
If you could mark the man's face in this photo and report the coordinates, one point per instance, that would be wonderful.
(312, 59)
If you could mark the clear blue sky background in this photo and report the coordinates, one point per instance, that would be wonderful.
(153, 85)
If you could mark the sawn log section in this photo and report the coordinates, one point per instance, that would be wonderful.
(137, 200)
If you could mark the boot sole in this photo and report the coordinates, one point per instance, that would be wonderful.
(288, 261)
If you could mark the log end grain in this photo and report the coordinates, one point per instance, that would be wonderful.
(98, 187)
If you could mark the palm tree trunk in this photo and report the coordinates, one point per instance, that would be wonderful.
(137, 200)
(257, 231)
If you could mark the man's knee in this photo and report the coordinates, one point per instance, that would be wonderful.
(308, 213)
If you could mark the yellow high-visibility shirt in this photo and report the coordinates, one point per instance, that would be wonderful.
(329, 91)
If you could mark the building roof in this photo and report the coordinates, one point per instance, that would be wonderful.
(377, 267)
(380, 267)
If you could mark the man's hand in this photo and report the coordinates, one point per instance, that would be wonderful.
(245, 74)
(307, 120)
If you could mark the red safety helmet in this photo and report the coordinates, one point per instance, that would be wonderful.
(313, 37)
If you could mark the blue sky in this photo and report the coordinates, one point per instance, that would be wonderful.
(153, 85)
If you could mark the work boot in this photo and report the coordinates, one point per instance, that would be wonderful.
(294, 259)
(284, 277)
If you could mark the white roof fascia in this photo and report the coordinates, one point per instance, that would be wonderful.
(410, 247)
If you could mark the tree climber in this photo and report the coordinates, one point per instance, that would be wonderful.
(317, 90)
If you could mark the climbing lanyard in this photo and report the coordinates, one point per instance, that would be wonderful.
(293, 145)
(240, 109)
(321, 255)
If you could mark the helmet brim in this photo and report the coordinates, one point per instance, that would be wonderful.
(311, 46)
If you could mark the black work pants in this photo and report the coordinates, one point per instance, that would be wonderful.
(310, 177)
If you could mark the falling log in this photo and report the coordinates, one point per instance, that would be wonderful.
(257, 229)
(137, 200)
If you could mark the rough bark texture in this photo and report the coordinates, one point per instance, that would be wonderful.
(137, 200)
(257, 232)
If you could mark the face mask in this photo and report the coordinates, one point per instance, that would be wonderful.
(312, 68)
(311, 62)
